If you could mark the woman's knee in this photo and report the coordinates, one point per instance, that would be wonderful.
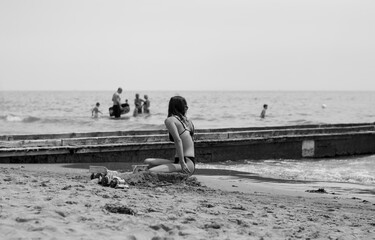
(164, 168)
(148, 160)
(156, 161)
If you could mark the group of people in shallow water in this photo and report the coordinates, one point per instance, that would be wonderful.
(118, 108)
(180, 130)
(140, 105)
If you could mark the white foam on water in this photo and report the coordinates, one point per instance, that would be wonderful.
(13, 118)
(353, 170)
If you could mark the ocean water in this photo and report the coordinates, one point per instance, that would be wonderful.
(60, 112)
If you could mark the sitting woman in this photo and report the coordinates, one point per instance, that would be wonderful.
(181, 132)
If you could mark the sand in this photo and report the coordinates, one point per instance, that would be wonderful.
(54, 202)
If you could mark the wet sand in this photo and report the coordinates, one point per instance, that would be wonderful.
(57, 201)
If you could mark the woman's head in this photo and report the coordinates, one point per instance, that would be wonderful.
(177, 106)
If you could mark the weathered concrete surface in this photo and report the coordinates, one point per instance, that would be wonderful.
(278, 147)
(288, 147)
(253, 131)
(115, 155)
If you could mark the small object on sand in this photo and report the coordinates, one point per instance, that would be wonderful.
(113, 183)
(116, 181)
(121, 209)
(96, 175)
(100, 179)
(122, 186)
(112, 174)
(105, 181)
(320, 190)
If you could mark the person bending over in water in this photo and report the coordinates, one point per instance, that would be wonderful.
(181, 131)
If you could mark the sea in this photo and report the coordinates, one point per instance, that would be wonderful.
(37, 112)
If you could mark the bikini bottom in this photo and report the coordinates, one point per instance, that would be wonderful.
(177, 160)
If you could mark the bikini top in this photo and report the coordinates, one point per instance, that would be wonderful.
(185, 129)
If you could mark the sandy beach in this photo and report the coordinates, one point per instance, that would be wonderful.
(52, 201)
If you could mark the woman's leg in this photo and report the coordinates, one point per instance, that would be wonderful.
(157, 161)
(167, 165)
(170, 167)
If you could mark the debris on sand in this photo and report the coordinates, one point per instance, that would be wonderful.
(320, 190)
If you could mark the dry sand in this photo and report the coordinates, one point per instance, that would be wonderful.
(54, 202)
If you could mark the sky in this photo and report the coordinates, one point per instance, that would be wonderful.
(266, 45)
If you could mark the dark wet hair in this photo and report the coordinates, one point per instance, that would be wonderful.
(177, 106)
(97, 104)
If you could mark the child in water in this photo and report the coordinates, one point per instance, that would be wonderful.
(263, 113)
(95, 111)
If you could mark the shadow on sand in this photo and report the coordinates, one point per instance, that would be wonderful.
(127, 167)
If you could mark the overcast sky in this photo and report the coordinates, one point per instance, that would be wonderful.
(187, 45)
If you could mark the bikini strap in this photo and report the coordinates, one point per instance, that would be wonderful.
(183, 124)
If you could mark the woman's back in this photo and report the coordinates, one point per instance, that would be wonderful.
(184, 130)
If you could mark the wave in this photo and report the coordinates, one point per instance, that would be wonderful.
(331, 170)
(303, 122)
(17, 124)
(67, 121)
(12, 118)
(18, 118)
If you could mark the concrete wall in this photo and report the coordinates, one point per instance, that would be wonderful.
(290, 147)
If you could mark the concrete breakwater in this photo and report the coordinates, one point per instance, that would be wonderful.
(212, 145)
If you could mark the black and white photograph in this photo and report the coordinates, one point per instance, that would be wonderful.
(211, 119)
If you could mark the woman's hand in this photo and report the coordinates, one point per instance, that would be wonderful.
(184, 167)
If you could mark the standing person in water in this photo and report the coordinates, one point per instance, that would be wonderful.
(116, 99)
(181, 131)
(146, 105)
(138, 105)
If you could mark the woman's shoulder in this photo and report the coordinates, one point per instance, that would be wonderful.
(173, 118)
(169, 119)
